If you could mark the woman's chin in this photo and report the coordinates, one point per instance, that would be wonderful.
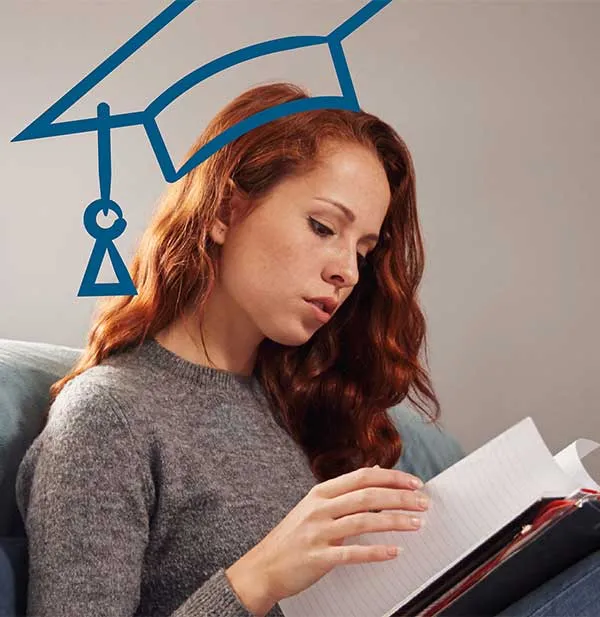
(291, 338)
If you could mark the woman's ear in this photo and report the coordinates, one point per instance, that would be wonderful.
(218, 232)
(232, 211)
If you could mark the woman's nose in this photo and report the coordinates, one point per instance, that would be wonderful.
(344, 270)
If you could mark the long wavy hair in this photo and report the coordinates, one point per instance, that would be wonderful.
(332, 393)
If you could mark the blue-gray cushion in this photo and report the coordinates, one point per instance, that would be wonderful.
(427, 448)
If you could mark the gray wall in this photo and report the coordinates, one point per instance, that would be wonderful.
(498, 102)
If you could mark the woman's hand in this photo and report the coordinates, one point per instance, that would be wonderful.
(308, 542)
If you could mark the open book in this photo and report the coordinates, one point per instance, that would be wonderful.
(470, 503)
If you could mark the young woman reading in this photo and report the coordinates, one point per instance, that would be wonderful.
(226, 428)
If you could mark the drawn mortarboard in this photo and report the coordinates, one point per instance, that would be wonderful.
(46, 125)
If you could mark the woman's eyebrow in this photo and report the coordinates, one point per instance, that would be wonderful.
(349, 215)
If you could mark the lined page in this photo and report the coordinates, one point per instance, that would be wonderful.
(470, 501)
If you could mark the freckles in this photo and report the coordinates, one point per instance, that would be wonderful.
(270, 249)
(264, 258)
(277, 250)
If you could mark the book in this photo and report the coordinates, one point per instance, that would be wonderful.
(554, 534)
(481, 510)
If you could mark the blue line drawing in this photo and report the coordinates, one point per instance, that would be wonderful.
(104, 122)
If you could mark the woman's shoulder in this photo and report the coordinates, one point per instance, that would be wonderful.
(87, 397)
(113, 387)
(100, 382)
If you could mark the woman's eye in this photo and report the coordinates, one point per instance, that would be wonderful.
(319, 228)
(323, 230)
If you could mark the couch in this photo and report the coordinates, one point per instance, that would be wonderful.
(26, 372)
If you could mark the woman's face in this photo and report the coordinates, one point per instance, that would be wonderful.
(298, 245)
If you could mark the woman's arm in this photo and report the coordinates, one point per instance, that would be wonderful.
(86, 503)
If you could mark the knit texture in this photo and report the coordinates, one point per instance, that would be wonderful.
(153, 476)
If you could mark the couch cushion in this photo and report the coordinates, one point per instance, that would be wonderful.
(427, 449)
(27, 370)
(14, 565)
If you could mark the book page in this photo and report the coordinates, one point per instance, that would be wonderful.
(569, 460)
(470, 501)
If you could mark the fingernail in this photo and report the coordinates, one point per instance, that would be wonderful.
(415, 522)
(416, 483)
(423, 502)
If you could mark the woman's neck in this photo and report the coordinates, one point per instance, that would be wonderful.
(183, 337)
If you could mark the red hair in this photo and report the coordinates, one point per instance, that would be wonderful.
(332, 393)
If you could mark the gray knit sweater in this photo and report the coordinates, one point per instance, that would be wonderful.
(152, 476)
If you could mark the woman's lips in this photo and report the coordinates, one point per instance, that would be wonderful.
(319, 313)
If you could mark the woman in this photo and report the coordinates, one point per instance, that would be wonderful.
(208, 454)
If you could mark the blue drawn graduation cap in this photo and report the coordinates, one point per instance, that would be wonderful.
(104, 122)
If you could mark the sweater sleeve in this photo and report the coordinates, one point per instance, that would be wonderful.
(84, 499)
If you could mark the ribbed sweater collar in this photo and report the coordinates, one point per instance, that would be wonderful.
(155, 353)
